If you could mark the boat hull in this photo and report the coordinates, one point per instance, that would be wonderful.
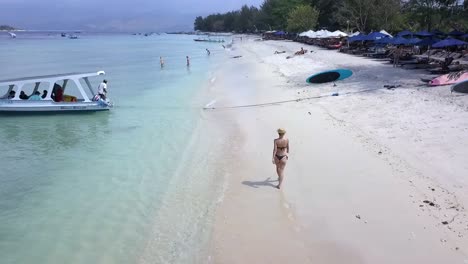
(11, 106)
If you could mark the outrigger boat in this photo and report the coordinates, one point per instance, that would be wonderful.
(11, 102)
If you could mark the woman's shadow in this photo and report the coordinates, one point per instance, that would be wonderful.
(256, 184)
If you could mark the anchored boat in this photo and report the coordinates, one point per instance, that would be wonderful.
(53, 98)
(210, 40)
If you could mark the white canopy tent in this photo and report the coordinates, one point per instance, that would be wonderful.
(307, 33)
(323, 34)
(338, 34)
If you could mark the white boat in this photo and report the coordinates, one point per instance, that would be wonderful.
(12, 35)
(82, 102)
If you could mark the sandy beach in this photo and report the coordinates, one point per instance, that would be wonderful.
(374, 175)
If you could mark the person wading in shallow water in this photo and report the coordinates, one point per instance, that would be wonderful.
(280, 155)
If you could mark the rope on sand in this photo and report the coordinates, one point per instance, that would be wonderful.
(211, 107)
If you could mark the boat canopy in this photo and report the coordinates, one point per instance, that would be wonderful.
(48, 78)
(51, 80)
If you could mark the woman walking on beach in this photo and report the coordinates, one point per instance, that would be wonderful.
(280, 155)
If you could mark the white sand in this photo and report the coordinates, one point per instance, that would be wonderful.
(361, 164)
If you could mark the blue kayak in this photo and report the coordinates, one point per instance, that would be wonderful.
(330, 76)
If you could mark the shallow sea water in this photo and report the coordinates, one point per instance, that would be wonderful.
(133, 185)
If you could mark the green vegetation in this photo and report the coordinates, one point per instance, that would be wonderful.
(346, 15)
(6, 27)
(302, 18)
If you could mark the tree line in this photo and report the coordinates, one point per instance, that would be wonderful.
(6, 27)
(347, 15)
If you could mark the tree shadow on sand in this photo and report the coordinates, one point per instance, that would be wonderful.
(256, 184)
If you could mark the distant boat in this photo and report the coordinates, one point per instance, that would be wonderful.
(210, 40)
(73, 37)
(63, 35)
(12, 35)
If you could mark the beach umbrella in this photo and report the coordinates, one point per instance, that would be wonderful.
(386, 33)
(437, 32)
(465, 36)
(450, 42)
(404, 33)
(357, 33)
(375, 36)
(400, 41)
(423, 34)
(413, 41)
(385, 40)
(360, 37)
(455, 33)
(427, 42)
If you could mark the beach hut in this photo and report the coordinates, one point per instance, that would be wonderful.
(450, 42)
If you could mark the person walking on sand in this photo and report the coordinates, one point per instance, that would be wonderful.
(280, 155)
(188, 61)
(161, 61)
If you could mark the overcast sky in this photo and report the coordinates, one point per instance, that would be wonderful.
(112, 15)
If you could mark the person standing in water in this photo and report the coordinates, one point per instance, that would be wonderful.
(161, 61)
(280, 155)
(188, 61)
(208, 52)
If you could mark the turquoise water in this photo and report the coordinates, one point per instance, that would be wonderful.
(117, 187)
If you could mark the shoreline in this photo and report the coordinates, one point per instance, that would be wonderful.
(356, 193)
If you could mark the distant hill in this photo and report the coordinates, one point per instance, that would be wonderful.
(6, 27)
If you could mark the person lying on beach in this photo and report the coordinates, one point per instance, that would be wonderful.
(280, 155)
(301, 52)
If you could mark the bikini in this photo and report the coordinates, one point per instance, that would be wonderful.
(279, 157)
